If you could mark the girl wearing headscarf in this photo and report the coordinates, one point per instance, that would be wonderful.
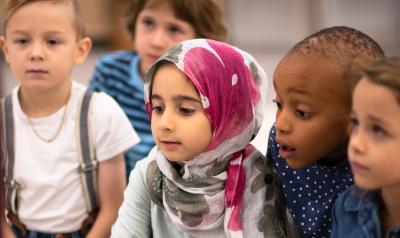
(203, 178)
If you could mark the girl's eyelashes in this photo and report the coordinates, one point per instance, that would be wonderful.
(378, 131)
(353, 123)
(157, 109)
(372, 128)
(186, 111)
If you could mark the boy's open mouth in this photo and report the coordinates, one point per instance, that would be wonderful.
(285, 150)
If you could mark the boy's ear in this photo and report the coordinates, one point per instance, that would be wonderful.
(3, 46)
(84, 47)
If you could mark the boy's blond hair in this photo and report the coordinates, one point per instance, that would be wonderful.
(12, 6)
(204, 15)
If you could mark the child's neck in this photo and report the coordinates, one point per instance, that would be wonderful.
(390, 210)
(338, 155)
(42, 104)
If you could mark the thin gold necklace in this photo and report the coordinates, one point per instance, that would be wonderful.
(59, 127)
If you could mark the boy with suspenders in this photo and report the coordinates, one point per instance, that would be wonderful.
(64, 161)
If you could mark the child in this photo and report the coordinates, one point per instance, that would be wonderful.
(203, 178)
(308, 141)
(42, 41)
(371, 208)
(2, 155)
(155, 26)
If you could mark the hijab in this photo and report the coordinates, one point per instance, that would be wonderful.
(221, 192)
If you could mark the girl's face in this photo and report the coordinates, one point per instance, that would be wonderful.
(374, 146)
(313, 110)
(178, 122)
(157, 29)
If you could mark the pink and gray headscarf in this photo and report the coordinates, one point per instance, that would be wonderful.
(221, 192)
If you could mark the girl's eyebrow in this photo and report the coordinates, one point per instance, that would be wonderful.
(178, 98)
(156, 96)
(186, 98)
(377, 119)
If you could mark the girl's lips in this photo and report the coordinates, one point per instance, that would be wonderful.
(169, 145)
(357, 167)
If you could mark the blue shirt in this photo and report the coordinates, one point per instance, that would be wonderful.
(310, 192)
(117, 74)
(356, 215)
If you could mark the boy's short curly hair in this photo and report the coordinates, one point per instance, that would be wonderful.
(385, 72)
(204, 15)
(12, 6)
(349, 48)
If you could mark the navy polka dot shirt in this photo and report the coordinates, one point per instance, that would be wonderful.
(310, 192)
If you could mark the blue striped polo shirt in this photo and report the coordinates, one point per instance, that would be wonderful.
(117, 74)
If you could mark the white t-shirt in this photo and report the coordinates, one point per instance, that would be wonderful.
(51, 195)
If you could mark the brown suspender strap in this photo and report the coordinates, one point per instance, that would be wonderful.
(88, 162)
(11, 185)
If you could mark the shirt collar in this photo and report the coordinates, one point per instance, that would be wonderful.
(360, 199)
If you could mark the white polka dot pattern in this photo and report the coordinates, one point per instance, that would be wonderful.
(310, 192)
(234, 79)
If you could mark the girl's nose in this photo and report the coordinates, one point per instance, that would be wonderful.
(167, 122)
(356, 144)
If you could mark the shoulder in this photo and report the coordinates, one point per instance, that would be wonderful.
(343, 197)
(272, 150)
(142, 165)
(107, 112)
(138, 185)
(103, 102)
(102, 105)
(117, 57)
(112, 68)
(353, 198)
(112, 131)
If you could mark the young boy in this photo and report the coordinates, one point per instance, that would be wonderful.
(41, 43)
(2, 155)
(155, 26)
(309, 139)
